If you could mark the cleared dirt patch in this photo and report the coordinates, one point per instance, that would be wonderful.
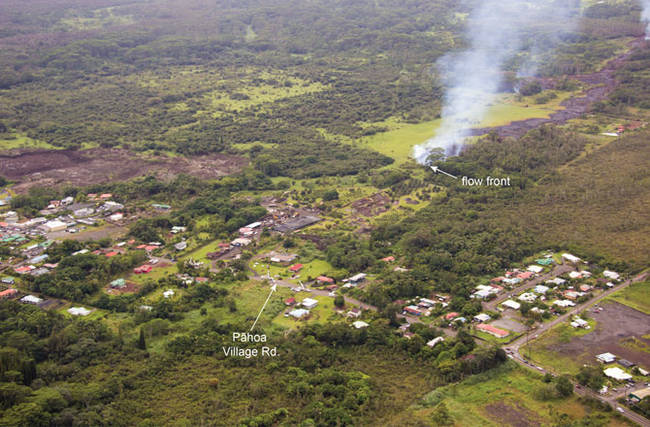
(100, 165)
(516, 416)
(130, 288)
(615, 324)
(371, 206)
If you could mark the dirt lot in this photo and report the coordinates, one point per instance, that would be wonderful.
(110, 231)
(130, 288)
(515, 416)
(99, 165)
(371, 206)
(614, 324)
(509, 324)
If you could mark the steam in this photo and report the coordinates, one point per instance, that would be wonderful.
(496, 30)
(645, 17)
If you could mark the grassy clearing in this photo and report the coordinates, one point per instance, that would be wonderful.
(18, 140)
(637, 296)
(500, 396)
(540, 350)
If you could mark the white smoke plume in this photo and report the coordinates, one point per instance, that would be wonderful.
(645, 17)
(495, 32)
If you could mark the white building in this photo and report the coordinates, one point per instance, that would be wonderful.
(527, 297)
(556, 281)
(579, 323)
(564, 303)
(54, 225)
(168, 293)
(435, 341)
(241, 241)
(611, 275)
(535, 268)
(309, 303)
(571, 258)
(618, 374)
(78, 311)
(606, 357)
(299, 313)
(31, 299)
(541, 289)
(511, 304)
(483, 317)
(359, 324)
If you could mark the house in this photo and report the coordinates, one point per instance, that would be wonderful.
(296, 268)
(178, 229)
(118, 284)
(110, 254)
(309, 303)
(8, 280)
(578, 322)
(299, 313)
(143, 269)
(282, 258)
(525, 275)
(639, 395)
(388, 259)
(8, 293)
(355, 312)
(450, 316)
(499, 333)
(611, 275)
(413, 310)
(31, 299)
(180, 246)
(168, 293)
(570, 258)
(435, 341)
(290, 301)
(119, 216)
(331, 288)
(541, 289)
(585, 288)
(535, 269)
(359, 324)
(617, 374)
(254, 225)
(241, 241)
(544, 261)
(324, 279)
(78, 311)
(527, 297)
(511, 304)
(626, 363)
(606, 358)
(572, 294)
(564, 303)
(83, 212)
(356, 279)
(481, 318)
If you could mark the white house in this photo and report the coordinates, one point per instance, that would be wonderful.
(511, 304)
(54, 225)
(617, 374)
(564, 303)
(556, 281)
(359, 324)
(299, 313)
(31, 299)
(483, 317)
(606, 357)
(168, 293)
(435, 341)
(527, 297)
(541, 289)
(78, 311)
(309, 303)
(611, 275)
(535, 268)
(579, 323)
(571, 258)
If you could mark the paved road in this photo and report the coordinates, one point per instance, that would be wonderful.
(557, 271)
(514, 350)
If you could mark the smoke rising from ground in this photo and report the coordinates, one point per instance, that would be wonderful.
(645, 17)
(495, 33)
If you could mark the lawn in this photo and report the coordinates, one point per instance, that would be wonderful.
(502, 396)
(637, 296)
(539, 350)
(18, 140)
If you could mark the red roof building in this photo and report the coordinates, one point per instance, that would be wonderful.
(451, 315)
(413, 311)
(296, 268)
(290, 301)
(150, 248)
(388, 259)
(111, 254)
(325, 279)
(143, 269)
(201, 279)
(23, 269)
(525, 275)
(499, 333)
(141, 246)
(8, 293)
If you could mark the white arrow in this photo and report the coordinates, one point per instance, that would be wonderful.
(436, 169)
(265, 302)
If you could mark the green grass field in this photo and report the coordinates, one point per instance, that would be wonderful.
(18, 140)
(637, 296)
(505, 395)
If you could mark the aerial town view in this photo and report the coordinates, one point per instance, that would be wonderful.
(325, 213)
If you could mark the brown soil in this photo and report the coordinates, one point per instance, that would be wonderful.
(615, 324)
(374, 205)
(601, 83)
(100, 165)
(130, 288)
(516, 416)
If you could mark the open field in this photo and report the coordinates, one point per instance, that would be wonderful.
(564, 349)
(506, 395)
(637, 296)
